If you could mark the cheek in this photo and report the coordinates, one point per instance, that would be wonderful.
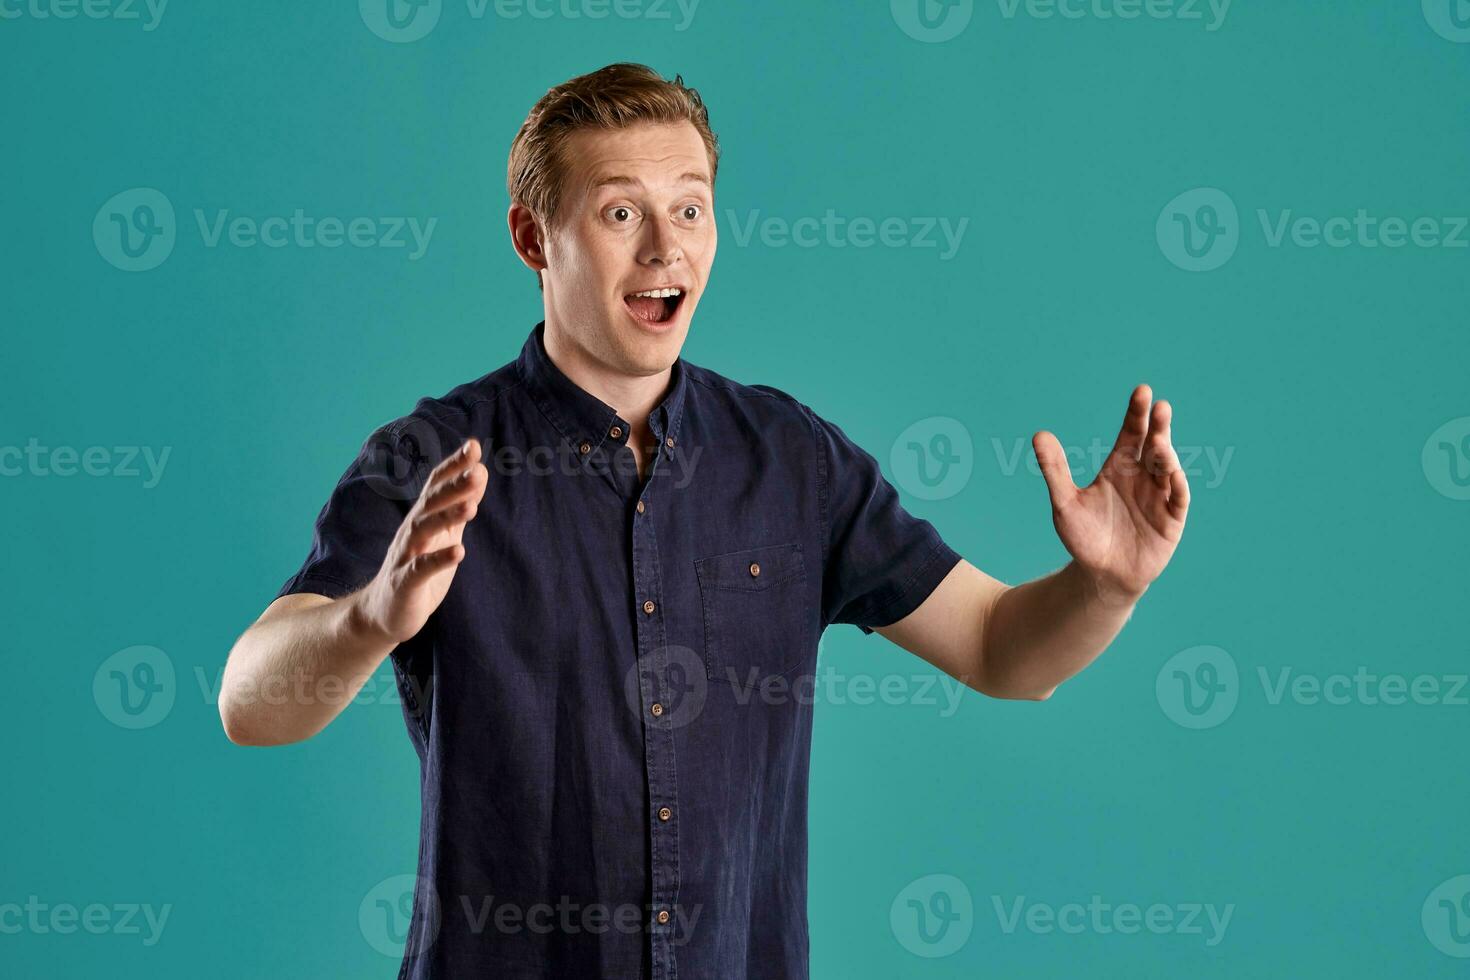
(703, 249)
(582, 257)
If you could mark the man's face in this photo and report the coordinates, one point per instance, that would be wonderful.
(636, 214)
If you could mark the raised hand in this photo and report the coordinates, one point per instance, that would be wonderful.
(427, 547)
(1123, 527)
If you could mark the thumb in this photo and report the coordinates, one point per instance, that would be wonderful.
(1053, 462)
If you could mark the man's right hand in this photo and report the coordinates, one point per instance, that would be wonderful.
(426, 550)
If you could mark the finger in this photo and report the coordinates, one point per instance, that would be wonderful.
(469, 485)
(1178, 494)
(1053, 462)
(1159, 457)
(1159, 418)
(1162, 461)
(1129, 443)
(467, 454)
(425, 528)
(426, 565)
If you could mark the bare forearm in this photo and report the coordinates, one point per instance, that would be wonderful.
(1044, 631)
(290, 674)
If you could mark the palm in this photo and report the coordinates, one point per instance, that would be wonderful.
(1124, 526)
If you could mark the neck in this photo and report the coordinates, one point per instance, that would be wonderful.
(632, 396)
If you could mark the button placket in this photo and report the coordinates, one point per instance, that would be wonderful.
(658, 739)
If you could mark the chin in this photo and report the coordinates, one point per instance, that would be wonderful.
(649, 354)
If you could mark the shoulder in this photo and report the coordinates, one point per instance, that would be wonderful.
(769, 403)
(770, 410)
(438, 424)
(469, 398)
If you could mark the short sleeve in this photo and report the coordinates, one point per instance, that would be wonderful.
(357, 523)
(880, 561)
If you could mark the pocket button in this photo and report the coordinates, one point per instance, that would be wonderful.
(753, 610)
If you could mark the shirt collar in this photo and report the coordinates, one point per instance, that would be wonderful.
(581, 417)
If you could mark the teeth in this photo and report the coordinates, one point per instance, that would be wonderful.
(659, 293)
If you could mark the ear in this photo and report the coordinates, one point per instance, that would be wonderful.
(527, 234)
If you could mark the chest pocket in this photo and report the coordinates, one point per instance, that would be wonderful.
(752, 611)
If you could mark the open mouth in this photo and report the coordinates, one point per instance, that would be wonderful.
(655, 305)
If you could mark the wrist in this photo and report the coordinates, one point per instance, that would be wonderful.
(360, 624)
(1106, 592)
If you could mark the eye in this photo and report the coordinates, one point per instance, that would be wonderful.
(696, 210)
(621, 214)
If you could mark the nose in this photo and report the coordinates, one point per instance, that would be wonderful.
(662, 245)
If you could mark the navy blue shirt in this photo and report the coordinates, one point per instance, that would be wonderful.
(612, 706)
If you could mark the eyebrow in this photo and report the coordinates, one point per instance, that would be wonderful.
(691, 176)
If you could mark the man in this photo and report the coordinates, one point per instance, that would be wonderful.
(585, 600)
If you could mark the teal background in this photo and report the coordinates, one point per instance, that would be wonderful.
(1324, 548)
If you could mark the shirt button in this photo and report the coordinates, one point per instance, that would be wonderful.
(640, 506)
(755, 568)
(648, 606)
(664, 813)
(657, 709)
(615, 431)
(663, 916)
(669, 441)
(585, 448)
